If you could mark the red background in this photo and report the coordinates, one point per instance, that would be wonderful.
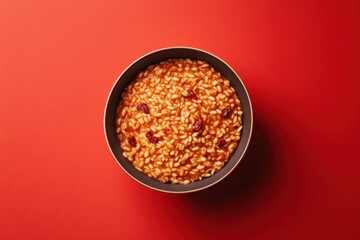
(300, 61)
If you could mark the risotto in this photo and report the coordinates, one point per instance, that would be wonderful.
(179, 121)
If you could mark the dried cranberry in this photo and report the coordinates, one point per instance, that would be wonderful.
(150, 136)
(226, 112)
(198, 125)
(143, 107)
(132, 141)
(221, 142)
(191, 94)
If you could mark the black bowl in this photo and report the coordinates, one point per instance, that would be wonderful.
(157, 56)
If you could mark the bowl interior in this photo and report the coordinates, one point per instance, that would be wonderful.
(130, 73)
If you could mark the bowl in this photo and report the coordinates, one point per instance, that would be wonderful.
(130, 73)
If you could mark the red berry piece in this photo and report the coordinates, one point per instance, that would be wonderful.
(132, 141)
(198, 125)
(226, 112)
(150, 136)
(143, 107)
(221, 142)
(191, 94)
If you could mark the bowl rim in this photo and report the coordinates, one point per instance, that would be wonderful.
(240, 157)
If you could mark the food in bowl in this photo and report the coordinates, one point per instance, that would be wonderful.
(179, 121)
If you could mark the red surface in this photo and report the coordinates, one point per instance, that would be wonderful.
(300, 61)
